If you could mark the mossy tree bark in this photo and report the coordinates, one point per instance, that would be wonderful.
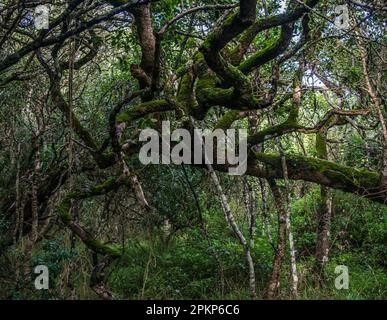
(272, 289)
(324, 211)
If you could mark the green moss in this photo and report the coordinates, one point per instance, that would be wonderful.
(198, 58)
(333, 174)
(108, 183)
(275, 131)
(65, 205)
(271, 50)
(321, 146)
(256, 58)
(143, 109)
(227, 120)
(257, 26)
(105, 249)
(123, 117)
(199, 64)
(181, 71)
(64, 211)
(185, 93)
(234, 75)
(211, 40)
(206, 90)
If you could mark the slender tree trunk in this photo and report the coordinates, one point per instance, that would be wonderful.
(265, 213)
(33, 235)
(324, 211)
(97, 279)
(18, 209)
(293, 114)
(324, 214)
(232, 223)
(274, 283)
(293, 262)
(250, 209)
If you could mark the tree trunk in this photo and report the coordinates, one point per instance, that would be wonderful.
(324, 211)
(232, 223)
(293, 263)
(265, 214)
(273, 286)
(324, 214)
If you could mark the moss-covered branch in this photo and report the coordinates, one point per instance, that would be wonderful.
(272, 50)
(227, 120)
(144, 109)
(359, 181)
(103, 160)
(112, 183)
(266, 23)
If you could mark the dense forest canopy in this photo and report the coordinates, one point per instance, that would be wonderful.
(305, 78)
